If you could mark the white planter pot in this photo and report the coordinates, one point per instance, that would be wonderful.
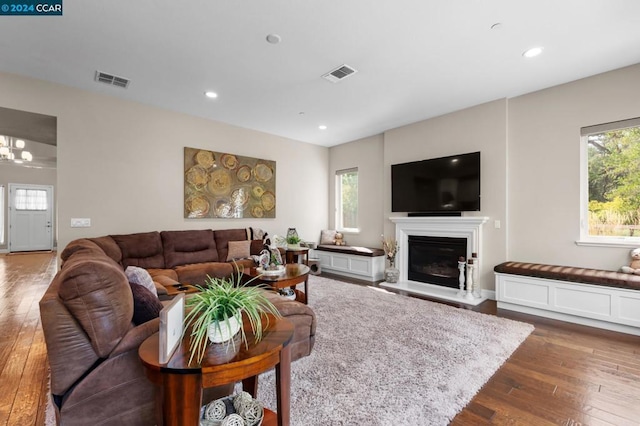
(221, 332)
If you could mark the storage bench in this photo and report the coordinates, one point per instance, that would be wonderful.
(594, 297)
(352, 261)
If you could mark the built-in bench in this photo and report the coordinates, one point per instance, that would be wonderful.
(351, 261)
(594, 297)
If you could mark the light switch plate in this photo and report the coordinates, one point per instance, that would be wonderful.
(81, 222)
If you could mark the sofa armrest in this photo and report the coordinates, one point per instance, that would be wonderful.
(135, 336)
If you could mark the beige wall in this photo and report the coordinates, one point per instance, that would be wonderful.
(15, 174)
(120, 163)
(530, 149)
(365, 154)
(544, 166)
(481, 128)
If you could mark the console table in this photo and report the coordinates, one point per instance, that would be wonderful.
(180, 384)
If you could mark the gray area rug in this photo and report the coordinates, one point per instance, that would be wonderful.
(386, 359)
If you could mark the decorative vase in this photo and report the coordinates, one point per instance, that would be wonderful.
(220, 331)
(392, 274)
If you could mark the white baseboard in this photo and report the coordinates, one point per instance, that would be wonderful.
(621, 328)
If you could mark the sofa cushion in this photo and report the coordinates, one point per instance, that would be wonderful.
(142, 249)
(185, 247)
(197, 273)
(79, 246)
(223, 236)
(146, 305)
(140, 276)
(328, 236)
(239, 250)
(110, 248)
(98, 294)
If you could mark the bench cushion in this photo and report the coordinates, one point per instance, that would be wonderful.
(358, 251)
(572, 274)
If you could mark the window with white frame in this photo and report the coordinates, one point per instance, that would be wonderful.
(611, 182)
(347, 200)
(31, 199)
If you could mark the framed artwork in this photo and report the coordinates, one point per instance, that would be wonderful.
(221, 185)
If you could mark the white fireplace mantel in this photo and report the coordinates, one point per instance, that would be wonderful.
(468, 227)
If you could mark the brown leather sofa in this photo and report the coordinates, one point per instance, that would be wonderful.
(87, 311)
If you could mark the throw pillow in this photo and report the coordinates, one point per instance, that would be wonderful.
(239, 250)
(146, 306)
(328, 236)
(141, 277)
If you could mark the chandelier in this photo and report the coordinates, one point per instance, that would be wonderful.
(12, 149)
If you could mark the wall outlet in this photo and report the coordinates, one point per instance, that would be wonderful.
(82, 222)
(497, 224)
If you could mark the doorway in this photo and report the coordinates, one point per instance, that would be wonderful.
(30, 217)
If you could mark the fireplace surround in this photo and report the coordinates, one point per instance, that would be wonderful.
(468, 228)
(434, 260)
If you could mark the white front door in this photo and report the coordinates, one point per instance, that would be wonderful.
(30, 217)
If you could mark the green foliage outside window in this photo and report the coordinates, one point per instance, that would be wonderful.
(614, 183)
(349, 199)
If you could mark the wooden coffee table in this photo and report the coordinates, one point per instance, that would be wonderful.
(293, 274)
(175, 289)
(180, 383)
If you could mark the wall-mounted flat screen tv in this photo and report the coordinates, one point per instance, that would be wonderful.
(447, 184)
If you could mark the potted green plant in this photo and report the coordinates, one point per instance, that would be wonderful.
(293, 241)
(216, 313)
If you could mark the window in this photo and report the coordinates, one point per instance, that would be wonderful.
(31, 199)
(347, 200)
(611, 182)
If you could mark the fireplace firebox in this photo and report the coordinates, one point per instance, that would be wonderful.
(434, 260)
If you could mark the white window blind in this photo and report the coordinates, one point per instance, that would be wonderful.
(31, 199)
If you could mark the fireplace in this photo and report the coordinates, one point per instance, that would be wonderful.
(434, 260)
(456, 236)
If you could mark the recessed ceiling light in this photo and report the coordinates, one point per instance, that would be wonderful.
(533, 52)
(274, 38)
(322, 127)
(211, 95)
(496, 26)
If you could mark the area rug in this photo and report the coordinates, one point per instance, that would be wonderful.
(385, 359)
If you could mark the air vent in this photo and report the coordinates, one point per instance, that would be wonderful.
(340, 73)
(113, 80)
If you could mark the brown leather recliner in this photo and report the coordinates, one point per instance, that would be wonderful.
(92, 345)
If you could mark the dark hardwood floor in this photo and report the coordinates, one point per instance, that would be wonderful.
(23, 354)
(563, 374)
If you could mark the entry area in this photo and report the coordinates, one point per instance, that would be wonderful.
(30, 217)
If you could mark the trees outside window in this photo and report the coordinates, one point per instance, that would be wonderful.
(613, 163)
(347, 200)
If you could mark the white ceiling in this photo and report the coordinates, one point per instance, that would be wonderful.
(415, 58)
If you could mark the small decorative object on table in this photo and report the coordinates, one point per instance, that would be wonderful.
(293, 242)
(236, 410)
(391, 274)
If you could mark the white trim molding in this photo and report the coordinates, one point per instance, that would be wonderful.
(468, 227)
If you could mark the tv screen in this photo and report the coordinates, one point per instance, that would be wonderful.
(447, 184)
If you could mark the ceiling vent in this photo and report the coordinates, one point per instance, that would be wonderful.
(340, 73)
(112, 80)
